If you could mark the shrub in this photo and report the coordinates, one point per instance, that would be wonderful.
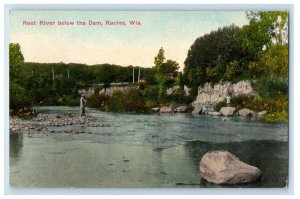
(219, 105)
(117, 102)
(281, 116)
(126, 101)
(18, 97)
(135, 101)
(178, 96)
(151, 104)
(271, 87)
(151, 92)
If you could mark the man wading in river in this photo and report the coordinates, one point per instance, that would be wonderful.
(82, 105)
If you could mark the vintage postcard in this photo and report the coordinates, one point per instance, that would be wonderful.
(148, 99)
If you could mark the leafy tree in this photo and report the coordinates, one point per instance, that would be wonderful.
(19, 98)
(162, 69)
(16, 60)
(272, 62)
(264, 30)
(211, 54)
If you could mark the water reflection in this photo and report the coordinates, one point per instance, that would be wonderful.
(15, 144)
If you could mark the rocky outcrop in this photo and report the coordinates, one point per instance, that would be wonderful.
(246, 112)
(165, 109)
(227, 111)
(222, 167)
(209, 94)
(181, 109)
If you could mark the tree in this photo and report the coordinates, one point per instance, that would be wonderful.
(19, 98)
(274, 61)
(159, 59)
(265, 29)
(162, 69)
(211, 54)
(16, 60)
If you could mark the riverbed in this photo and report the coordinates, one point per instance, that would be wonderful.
(143, 150)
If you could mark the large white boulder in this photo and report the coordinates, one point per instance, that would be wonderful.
(222, 167)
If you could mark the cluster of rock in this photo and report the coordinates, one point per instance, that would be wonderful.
(231, 111)
(176, 109)
(209, 110)
(212, 94)
(41, 121)
(222, 167)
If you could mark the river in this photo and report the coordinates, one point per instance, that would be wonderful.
(144, 150)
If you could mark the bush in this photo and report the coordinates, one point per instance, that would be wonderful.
(178, 96)
(272, 87)
(117, 102)
(151, 104)
(281, 116)
(151, 92)
(127, 101)
(219, 105)
(18, 97)
(135, 101)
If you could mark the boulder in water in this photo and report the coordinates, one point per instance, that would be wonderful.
(246, 112)
(222, 167)
(165, 109)
(227, 111)
(197, 110)
(155, 110)
(181, 109)
(261, 113)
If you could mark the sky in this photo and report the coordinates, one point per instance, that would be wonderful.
(123, 45)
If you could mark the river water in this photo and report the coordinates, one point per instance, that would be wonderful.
(144, 150)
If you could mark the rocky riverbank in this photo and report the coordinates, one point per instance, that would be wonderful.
(42, 121)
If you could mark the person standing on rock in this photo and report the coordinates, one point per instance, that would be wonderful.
(82, 105)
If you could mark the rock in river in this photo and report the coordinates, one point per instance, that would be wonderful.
(246, 112)
(222, 167)
(262, 113)
(227, 111)
(181, 109)
(165, 109)
(197, 110)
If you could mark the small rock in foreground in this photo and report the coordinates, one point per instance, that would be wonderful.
(222, 167)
